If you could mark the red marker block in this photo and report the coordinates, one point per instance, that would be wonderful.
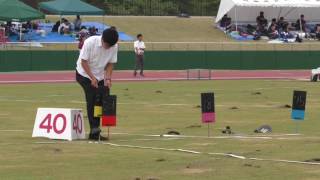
(109, 114)
(208, 117)
(109, 120)
(207, 108)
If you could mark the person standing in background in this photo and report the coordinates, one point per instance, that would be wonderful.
(77, 23)
(139, 48)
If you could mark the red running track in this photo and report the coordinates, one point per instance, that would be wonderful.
(69, 76)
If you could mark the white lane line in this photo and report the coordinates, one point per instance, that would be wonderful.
(167, 104)
(205, 137)
(157, 79)
(77, 102)
(177, 137)
(285, 161)
(231, 155)
(264, 136)
(181, 104)
(11, 130)
(219, 154)
(161, 139)
(22, 100)
(37, 81)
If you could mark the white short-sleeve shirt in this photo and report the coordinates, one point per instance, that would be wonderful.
(139, 47)
(97, 56)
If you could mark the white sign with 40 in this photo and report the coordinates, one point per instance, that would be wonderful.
(59, 123)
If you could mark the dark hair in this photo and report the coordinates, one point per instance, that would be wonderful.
(113, 27)
(139, 35)
(110, 36)
(78, 16)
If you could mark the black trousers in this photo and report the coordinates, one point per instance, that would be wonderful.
(90, 94)
(139, 63)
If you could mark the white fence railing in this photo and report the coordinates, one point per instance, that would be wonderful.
(172, 46)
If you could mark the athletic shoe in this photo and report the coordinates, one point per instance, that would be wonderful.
(95, 137)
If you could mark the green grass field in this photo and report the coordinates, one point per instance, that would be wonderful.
(156, 108)
(162, 29)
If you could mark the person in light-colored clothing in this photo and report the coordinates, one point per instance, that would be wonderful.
(94, 70)
(139, 48)
(64, 27)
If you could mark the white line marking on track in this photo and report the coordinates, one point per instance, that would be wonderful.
(266, 137)
(156, 79)
(11, 130)
(231, 155)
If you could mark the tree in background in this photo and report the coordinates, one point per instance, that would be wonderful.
(151, 7)
(162, 7)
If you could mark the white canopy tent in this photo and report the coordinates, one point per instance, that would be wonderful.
(244, 11)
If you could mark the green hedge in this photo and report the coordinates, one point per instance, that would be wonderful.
(166, 60)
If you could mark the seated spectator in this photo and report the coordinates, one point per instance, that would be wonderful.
(8, 28)
(77, 23)
(302, 26)
(93, 31)
(273, 23)
(225, 21)
(261, 21)
(317, 31)
(27, 25)
(273, 32)
(282, 24)
(83, 35)
(65, 27)
(285, 34)
(35, 25)
(55, 27)
(261, 24)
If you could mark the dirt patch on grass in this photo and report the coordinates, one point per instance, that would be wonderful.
(234, 108)
(251, 165)
(194, 126)
(316, 160)
(48, 149)
(286, 106)
(160, 160)
(256, 93)
(201, 144)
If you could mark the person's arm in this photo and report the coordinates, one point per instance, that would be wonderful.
(59, 28)
(85, 58)
(136, 48)
(143, 47)
(108, 75)
(109, 68)
(86, 68)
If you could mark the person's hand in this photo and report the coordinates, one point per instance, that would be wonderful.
(108, 83)
(94, 82)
